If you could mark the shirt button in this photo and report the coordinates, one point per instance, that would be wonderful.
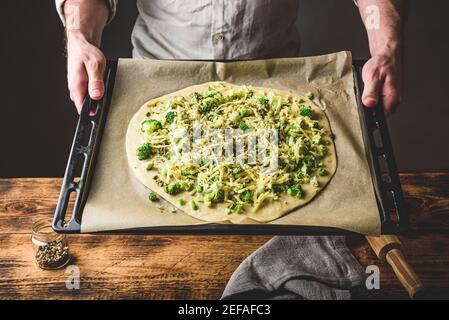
(218, 38)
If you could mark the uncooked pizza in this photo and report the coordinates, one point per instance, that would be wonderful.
(224, 152)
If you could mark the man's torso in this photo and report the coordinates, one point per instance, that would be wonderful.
(215, 29)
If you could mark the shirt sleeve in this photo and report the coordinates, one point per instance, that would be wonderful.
(60, 9)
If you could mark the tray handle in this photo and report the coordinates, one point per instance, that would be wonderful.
(80, 154)
(83, 155)
(380, 156)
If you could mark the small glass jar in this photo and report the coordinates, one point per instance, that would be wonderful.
(51, 249)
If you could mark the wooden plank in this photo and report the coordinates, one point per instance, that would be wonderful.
(24, 200)
(427, 254)
(127, 267)
(184, 267)
(426, 197)
(427, 200)
(191, 267)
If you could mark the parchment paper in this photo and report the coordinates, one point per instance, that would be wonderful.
(118, 201)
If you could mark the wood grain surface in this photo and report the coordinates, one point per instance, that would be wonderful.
(194, 267)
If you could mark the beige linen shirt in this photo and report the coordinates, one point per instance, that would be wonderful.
(213, 29)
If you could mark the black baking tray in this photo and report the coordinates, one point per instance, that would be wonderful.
(87, 140)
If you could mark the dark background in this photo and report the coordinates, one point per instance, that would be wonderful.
(37, 120)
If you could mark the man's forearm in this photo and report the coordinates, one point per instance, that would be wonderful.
(383, 23)
(382, 72)
(86, 18)
(85, 21)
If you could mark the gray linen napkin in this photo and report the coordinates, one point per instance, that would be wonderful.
(297, 267)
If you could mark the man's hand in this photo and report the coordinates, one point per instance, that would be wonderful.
(85, 20)
(382, 78)
(85, 69)
(382, 73)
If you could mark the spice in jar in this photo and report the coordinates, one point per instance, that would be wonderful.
(52, 255)
(51, 249)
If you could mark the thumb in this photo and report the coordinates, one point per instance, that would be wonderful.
(95, 72)
(370, 95)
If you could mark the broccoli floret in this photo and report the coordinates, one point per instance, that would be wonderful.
(309, 161)
(275, 104)
(150, 126)
(215, 193)
(237, 170)
(210, 93)
(163, 170)
(292, 130)
(170, 116)
(237, 208)
(263, 101)
(305, 111)
(189, 172)
(276, 189)
(176, 101)
(321, 150)
(246, 196)
(193, 205)
(245, 112)
(173, 188)
(181, 202)
(152, 196)
(150, 166)
(144, 151)
(300, 177)
(321, 171)
(310, 164)
(314, 125)
(295, 190)
(187, 185)
(196, 97)
(243, 126)
(198, 188)
(236, 95)
(202, 161)
(207, 105)
(212, 117)
(309, 95)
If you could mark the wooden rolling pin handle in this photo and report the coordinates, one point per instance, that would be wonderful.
(404, 272)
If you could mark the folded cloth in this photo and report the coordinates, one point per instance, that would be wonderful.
(296, 267)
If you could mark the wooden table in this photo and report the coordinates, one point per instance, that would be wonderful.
(193, 267)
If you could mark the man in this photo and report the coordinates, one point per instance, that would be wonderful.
(223, 30)
(243, 29)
